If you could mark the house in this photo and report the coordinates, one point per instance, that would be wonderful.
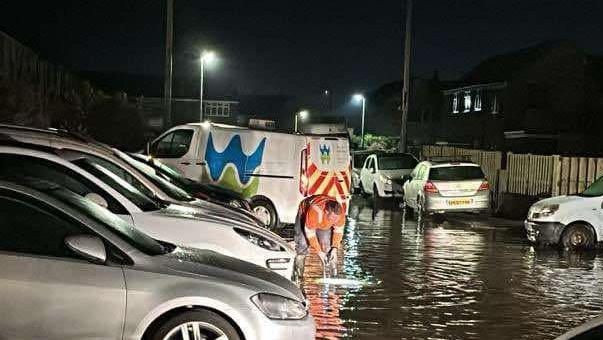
(542, 99)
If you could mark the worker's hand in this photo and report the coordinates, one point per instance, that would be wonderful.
(333, 255)
(323, 257)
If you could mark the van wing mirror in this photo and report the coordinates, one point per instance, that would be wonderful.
(89, 247)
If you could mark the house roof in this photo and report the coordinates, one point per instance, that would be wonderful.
(501, 68)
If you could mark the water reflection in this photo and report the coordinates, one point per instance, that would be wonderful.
(450, 279)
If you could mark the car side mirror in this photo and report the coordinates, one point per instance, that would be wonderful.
(89, 247)
(373, 170)
(98, 199)
(406, 178)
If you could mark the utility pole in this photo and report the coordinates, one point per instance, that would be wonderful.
(406, 87)
(169, 62)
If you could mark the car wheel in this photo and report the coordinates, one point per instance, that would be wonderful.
(361, 189)
(419, 211)
(578, 236)
(406, 210)
(376, 196)
(196, 324)
(265, 212)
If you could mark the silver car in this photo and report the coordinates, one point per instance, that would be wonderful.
(73, 270)
(443, 187)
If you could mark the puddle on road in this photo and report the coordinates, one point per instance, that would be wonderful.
(449, 280)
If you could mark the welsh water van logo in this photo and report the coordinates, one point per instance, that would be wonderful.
(325, 154)
(245, 165)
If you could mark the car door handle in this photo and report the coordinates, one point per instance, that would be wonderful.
(185, 163)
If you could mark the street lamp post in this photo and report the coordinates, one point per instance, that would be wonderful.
(303, 114)
(361, 98)
(206, 57)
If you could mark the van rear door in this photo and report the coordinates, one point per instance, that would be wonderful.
(328, 167)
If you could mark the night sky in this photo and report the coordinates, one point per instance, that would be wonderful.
(296, 48)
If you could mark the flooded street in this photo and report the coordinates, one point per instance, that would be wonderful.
(463, 278)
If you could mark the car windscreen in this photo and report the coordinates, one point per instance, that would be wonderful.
(143, 202)
(397, 162)
(125, 230)
(157, 178)
(595, 189)
(456, 173)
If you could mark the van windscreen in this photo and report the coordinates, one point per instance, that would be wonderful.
(456, 173)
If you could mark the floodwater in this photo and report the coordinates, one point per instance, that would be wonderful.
(462, 278)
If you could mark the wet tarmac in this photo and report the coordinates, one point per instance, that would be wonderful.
(466, 277)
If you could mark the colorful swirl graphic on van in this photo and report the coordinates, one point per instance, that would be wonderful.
(237, 176)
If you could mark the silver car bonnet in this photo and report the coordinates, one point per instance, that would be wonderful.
(198, 262)
(200, 214)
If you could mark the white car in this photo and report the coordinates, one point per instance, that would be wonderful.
(445, 187)
(382, 174)
(358, 158)
(134, 172)
(178, 224)
(571, 221)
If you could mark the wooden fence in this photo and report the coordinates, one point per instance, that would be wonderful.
(526, 174)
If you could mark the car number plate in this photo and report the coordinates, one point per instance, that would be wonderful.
(457, 202)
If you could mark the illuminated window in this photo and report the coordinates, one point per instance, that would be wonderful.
(455, 103)
(478, 101)
(467, 101)
(217, 109)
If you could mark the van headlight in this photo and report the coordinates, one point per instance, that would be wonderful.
(258, 240)
(386, 179)
(545, 211)
(279, 307)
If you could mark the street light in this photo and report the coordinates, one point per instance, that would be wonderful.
(206, 57)
(301, 115)
(361, 98)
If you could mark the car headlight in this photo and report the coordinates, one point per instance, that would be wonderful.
(259, 240)
(279, 307)
(236, 204)
(386, 179)
(545, 211)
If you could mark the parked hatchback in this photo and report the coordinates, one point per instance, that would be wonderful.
(73, 270)
(443, 187)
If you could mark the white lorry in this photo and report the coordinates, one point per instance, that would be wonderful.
(274, 170)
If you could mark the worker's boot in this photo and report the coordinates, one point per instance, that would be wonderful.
(300, 262)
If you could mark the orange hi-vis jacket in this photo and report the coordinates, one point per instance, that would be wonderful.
(315, 218)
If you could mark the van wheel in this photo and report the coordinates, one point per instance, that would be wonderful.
(265, 212)
(196, 324)
(578, 236)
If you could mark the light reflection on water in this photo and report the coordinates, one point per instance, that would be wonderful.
(450, 280)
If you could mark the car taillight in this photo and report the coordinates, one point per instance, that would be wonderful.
(430, 188)
(485, 186)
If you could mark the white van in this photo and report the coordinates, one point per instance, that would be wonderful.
(274, 170)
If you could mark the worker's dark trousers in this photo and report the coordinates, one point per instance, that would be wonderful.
(301, 245)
